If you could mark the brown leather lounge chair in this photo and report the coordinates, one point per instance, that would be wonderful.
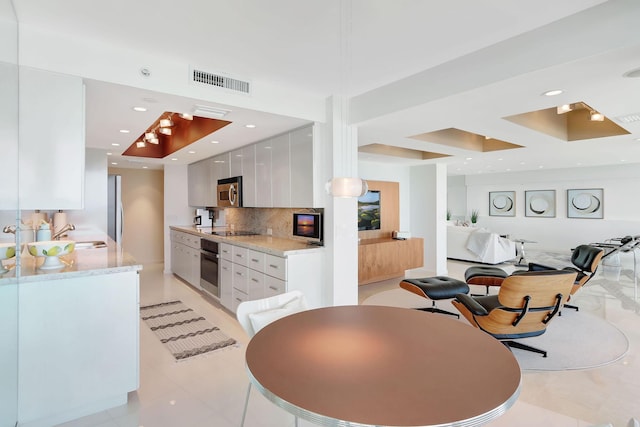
(523, 307)
(586, 259)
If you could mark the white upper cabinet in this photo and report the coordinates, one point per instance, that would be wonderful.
(280, 172)
(235, 163)
(301, 166)
(52, 140)
(202, 190)
(221, 168)
(263, 174)
(249, 186)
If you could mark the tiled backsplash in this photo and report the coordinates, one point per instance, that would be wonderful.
(279, 220)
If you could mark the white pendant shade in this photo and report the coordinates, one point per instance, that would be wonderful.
(347, 187)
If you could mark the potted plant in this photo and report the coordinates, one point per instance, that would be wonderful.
(448, 214)
(474, 216)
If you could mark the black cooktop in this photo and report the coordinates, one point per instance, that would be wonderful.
(234, 233)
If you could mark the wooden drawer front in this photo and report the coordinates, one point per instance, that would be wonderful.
(256, 260)
(240, 278)
(256, 284)
(238, 297)
(276, 267)
(225, 251)
(239, 255)
(273, 286)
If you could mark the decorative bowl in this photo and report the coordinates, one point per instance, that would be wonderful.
(7, 251)
(51, 250)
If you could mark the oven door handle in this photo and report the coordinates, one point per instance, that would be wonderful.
(209, 255)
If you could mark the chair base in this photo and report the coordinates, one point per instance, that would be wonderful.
(434, 309)
(575, 307)
(520, 346)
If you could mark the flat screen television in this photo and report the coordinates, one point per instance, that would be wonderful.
(308, 225)
(369, 211)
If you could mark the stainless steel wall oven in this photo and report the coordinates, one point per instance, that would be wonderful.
(209, 279)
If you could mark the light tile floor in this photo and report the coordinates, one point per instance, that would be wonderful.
(210, 390)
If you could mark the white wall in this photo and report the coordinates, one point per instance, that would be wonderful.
(457, 197)
(394, 173)
(621, 204)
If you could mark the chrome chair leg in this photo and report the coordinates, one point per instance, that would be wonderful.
(246, 403)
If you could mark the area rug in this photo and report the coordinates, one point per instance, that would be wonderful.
(184, 332)
(574, 340)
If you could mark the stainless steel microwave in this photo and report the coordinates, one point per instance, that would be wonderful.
(230, 192)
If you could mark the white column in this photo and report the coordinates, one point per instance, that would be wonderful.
(341, 224)
(429, 213)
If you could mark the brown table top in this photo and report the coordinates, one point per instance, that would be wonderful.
(382, 366)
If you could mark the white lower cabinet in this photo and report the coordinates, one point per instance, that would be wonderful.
(248, 274)
(185, 257)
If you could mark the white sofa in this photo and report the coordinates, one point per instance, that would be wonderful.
(478, 245)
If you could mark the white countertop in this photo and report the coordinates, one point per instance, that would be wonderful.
(272, 245)
(82, 262)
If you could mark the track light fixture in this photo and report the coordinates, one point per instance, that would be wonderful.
(565, 108)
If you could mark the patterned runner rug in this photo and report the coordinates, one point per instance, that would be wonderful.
(183, 331)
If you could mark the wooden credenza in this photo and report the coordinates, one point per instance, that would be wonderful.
(386, 258)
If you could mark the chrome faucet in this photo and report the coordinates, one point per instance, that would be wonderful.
(9, 229)
(68, 227)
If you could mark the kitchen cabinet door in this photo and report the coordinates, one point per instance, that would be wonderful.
(263, 174)
(249, 176)
(201, 190)
(52, 140)
(221, 167)
(226, 283)
(280, 172)
(235, 163)
(301, 164)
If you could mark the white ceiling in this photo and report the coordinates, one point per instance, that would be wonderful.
(412, 66)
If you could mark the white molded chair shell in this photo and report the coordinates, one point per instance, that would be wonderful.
(247, 307)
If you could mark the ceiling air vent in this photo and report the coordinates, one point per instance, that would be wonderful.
(629, 118)
(218, 80)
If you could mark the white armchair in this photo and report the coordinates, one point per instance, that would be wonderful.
(478, 245)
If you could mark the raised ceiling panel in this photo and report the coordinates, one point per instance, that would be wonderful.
(183, 132)
(575, 125)
(458, 138)
(407, 153)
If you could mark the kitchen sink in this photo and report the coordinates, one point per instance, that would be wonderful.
(91, 244)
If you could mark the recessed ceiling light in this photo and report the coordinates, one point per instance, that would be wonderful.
(553, 92)
(215, 142)
(115, 144)
(522, 163)
(250, 126)
(192, 152)
(140, 109)
(469, 158)
(145, 167)
(500, 159)
(113, 163)
(564, 108)
(124, 130)
(540, 167)
(108, 154)
(174, 158)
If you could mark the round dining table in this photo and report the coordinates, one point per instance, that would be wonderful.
(382, 366)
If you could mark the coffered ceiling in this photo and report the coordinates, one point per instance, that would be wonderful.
(411, 68)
